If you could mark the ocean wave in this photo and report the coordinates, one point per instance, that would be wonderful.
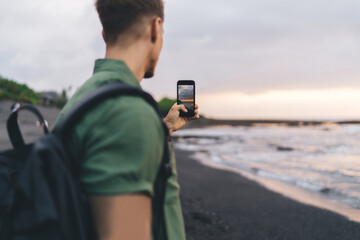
(309, 158)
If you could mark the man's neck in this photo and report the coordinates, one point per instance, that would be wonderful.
(135, 57)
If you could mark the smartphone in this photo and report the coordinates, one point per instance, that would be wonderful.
(186, 96)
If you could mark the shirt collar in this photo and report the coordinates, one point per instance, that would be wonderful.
(118, 69)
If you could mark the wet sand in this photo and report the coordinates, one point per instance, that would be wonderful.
(219, 204)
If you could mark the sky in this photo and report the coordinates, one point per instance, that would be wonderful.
(249, 58)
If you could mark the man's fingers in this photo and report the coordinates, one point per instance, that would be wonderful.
(180, 107)
(195, 117)
(183, 108)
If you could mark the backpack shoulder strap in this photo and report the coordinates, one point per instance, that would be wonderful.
(100, 94)
(108, 91)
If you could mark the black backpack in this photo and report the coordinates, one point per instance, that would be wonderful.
(40, 194)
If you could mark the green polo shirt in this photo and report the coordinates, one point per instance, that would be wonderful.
(118, 145)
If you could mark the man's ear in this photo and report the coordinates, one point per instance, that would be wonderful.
(103, 35)
(156, 29)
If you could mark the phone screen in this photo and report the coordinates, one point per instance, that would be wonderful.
(186, 96)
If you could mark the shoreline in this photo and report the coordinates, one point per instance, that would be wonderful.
(287, 190)
(204, 122)
(219, 204)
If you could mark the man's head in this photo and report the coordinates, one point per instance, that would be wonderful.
(128, 21)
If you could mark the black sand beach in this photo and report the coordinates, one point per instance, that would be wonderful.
(223, 205)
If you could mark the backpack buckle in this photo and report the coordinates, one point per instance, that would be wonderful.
(15, 107)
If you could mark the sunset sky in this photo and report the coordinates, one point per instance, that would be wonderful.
(249, 58)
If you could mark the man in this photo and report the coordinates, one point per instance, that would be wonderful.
(119, 144)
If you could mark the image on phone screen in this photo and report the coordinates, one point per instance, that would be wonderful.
(186, 96)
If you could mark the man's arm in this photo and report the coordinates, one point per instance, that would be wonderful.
(121, 161)
(118, 217)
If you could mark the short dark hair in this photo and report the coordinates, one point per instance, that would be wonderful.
(117, 16)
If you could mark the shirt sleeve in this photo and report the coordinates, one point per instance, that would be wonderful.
(123, 147)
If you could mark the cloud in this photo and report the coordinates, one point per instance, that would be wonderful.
(250, 46)
(255, 46)
(49, 44)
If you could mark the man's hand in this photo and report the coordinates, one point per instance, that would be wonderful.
(173, 120)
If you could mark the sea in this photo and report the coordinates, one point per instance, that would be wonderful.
(324, 159)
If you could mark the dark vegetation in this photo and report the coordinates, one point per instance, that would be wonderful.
(11, 90)
(17, 92)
